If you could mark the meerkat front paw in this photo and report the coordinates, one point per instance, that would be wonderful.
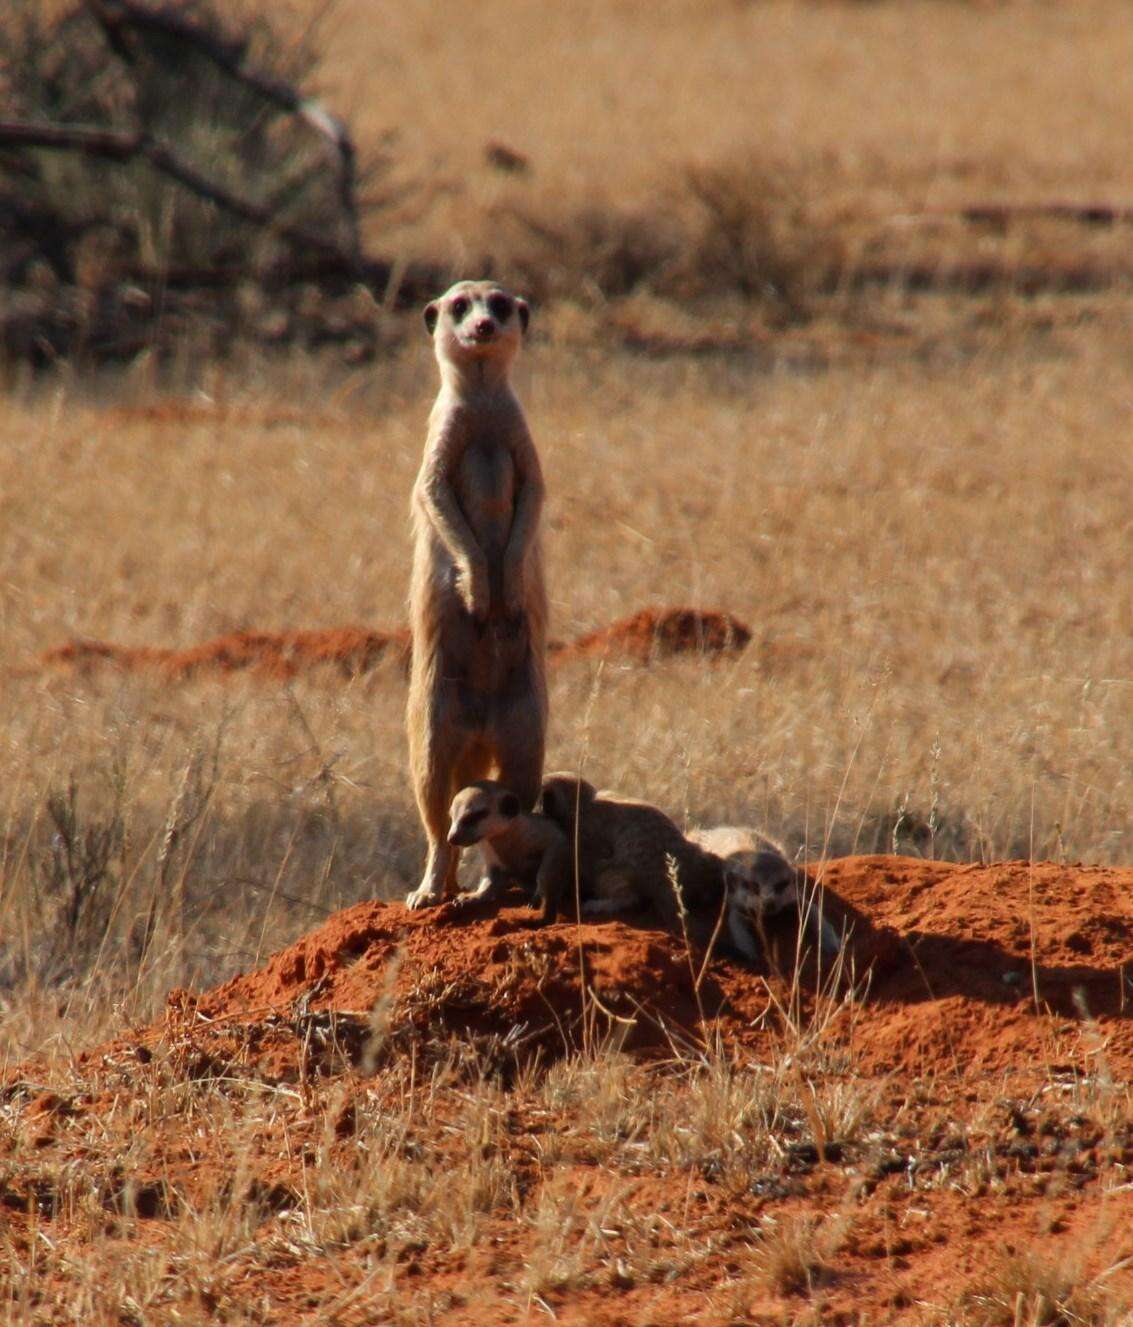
(474, 592)
(424, 896)
(513, 590)
(487, 888)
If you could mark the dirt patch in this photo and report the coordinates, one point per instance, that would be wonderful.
(347, 651)
(660, 633)
(950, 1146)
(961, 968)
(352, 651)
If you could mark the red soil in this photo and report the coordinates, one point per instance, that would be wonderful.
(658, 634)
(955, 955)
(351, 651)
(997, 1024)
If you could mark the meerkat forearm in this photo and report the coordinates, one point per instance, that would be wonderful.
(525, 520)
(525, 525)
(442, 510)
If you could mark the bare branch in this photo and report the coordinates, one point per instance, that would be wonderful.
(119, 145)
(117, 17)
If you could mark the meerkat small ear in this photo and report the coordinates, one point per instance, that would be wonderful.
(509, 806)
(524, 312)
(432, 313)
(549, 800)
(563, 794)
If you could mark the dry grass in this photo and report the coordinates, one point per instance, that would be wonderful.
(1028, 1290)
(922, 512)
(207, 1189)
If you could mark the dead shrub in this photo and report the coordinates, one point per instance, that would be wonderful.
(77, 874)
(794, 1255)
(1028, 1290)
(161, 170)
(745, 228)
(752, 228)
(75, 70)
(597, 251)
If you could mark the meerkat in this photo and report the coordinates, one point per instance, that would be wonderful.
(477, 601)
(516, 845)
(628, 852)
(761, 883)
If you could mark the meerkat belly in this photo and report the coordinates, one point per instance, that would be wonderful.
(486, 493)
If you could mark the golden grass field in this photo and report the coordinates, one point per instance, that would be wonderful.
(921, 505)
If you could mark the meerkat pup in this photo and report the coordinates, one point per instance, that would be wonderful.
(628, 853)
(477, 601)
(761, 883)
(517, 845)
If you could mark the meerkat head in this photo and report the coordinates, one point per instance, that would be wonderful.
(761, 883)
(483, 810)
(563, 795)
(476, 323)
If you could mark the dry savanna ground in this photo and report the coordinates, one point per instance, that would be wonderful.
(918, 501)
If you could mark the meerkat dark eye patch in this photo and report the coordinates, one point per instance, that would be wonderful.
(509, 806)
(459, 308)
(499, 306)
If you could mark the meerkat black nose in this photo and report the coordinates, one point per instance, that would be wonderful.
(485, 327)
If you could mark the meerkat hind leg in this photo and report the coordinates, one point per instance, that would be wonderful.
(599, 907)
(614, 891)
(518, 743)
(436, 783)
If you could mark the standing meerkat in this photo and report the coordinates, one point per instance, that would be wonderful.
(517, 845)
(477, 601)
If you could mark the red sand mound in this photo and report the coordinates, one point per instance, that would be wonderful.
(352, 651)
(971, 968)
(660, 633)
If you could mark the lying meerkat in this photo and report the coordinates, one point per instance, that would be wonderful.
(761, 883)
(628, 852)
(477, 601)
(517, 845)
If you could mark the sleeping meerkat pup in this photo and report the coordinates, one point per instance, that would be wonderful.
(760, 883)
(517, 845)
(477, 601)
(628, 852)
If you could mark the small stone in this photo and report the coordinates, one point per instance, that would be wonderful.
(621, 1276)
